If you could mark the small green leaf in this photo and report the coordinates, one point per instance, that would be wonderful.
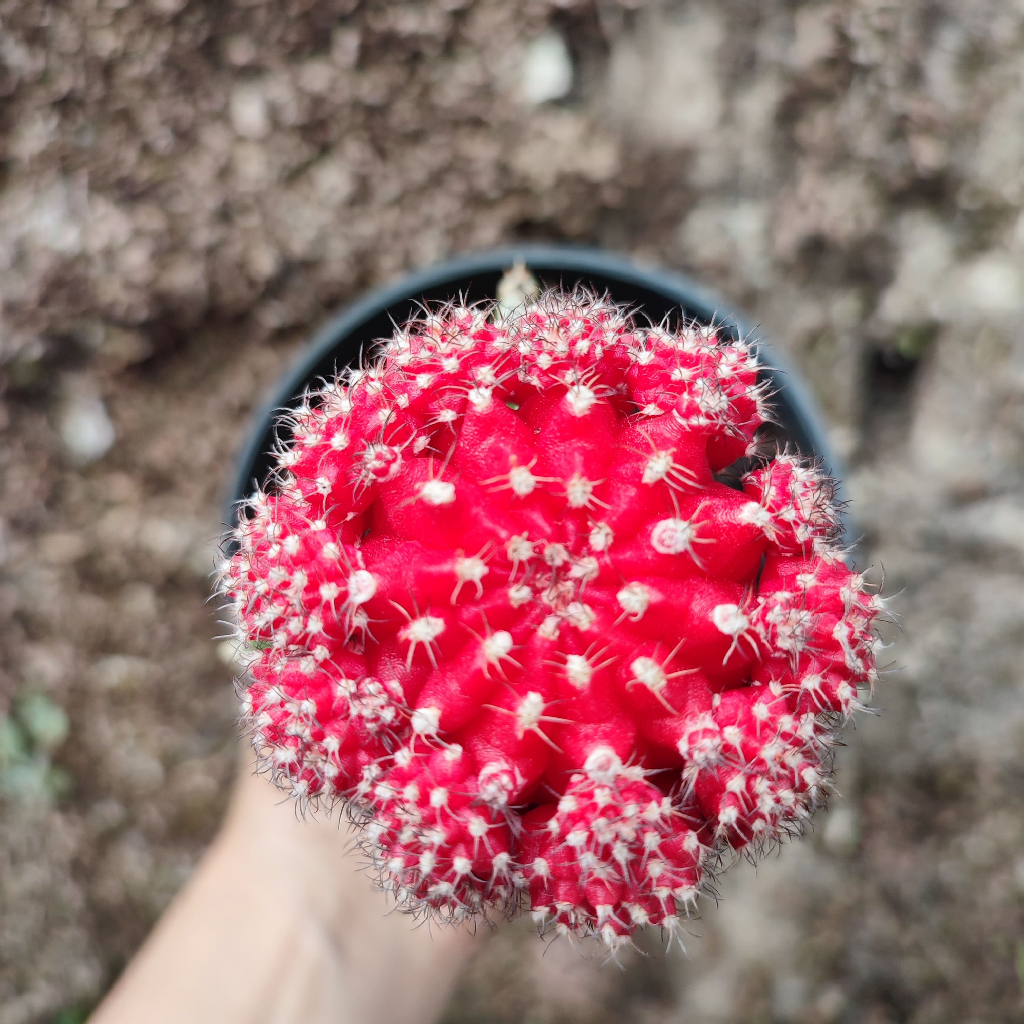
(915, 341)
(26, 781)
(71, 1015)
(13, 742)
(45, 721)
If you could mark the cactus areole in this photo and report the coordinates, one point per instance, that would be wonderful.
(529, 595)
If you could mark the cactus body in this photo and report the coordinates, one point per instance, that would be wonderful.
(499, 603)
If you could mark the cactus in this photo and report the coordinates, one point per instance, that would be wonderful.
(499, 602)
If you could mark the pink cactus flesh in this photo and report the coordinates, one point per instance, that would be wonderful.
(499, 603)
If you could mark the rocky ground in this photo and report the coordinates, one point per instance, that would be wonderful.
(187, 188)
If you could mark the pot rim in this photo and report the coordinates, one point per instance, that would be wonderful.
(805, 424)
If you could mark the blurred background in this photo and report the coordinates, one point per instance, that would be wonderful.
(188, 188)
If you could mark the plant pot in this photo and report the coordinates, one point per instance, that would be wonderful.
(656, 293)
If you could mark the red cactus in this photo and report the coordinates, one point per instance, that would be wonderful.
(500, 604)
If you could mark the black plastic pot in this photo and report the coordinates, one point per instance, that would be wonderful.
(653, 291)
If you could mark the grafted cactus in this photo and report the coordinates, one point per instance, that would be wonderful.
(500, 604)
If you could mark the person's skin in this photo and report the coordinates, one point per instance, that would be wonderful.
(279, 925)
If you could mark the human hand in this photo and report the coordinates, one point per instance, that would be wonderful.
(278, 924)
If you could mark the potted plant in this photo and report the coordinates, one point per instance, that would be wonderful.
(547, 590)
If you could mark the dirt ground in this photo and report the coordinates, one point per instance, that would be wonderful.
(188, 188)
